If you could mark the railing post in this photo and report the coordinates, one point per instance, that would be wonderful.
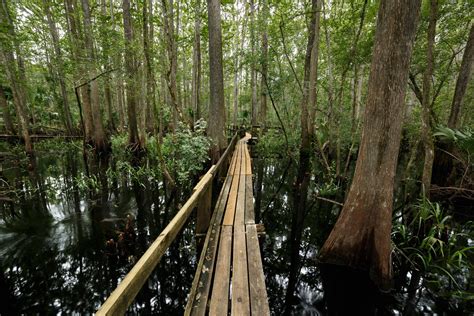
(203, 215)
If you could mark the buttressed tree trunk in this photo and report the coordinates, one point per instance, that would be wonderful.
(216, 81)
(462, 81)
(361, 237)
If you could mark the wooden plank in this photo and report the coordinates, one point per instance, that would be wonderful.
(249, 161)
(240, 205)
(125, 293)
(233, 162)
(258, 291)
(240, 281)
(249, 207)
(220, 290)
(231, 204)
(199, 294)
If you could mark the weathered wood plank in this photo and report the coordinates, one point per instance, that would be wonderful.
(240, 281)
(249, 208)
(124, 294)
(258, 291)
(231, 204)
(239, 218)
(220, 290)
(199, 294)
(249, 160)
(233, 162)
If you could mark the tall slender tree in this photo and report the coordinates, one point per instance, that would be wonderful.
(427, 133)
(196, 81)
(98, 135)
(9, 48)
(7, 119)
(131, 73)
(58, 66)
(264, 12)
(216, 81)
(308, 102)
(462, 81)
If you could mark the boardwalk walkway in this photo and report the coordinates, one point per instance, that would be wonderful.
(229, 277)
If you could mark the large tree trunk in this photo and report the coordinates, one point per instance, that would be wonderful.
(426, 131)
(13, 74)
(7, 119)
(216, 81)
(131, 88)
(361, 236)
(462, 81)
(59, 67)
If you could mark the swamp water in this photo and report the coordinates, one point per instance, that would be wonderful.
(57, 256)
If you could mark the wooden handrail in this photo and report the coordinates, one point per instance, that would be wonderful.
(121, 298)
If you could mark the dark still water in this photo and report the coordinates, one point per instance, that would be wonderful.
(65, 242)
(65, 246)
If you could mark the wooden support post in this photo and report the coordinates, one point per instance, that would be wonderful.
(203, 216)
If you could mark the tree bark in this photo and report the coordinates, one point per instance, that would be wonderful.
(427, 136)
(253, 71)
(131, 88)
(76, 44)
(239, 47)
(462, 81)
(98, 136)
(172, 51)
(216, 81)
(264, 14)
(109, 106)
(196, 81)
(361, 236)
(300, 189)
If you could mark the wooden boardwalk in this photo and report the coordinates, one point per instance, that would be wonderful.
(229, 276)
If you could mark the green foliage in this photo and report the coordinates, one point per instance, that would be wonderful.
(185, 151)
(272, 143)
(463, 139)
(438, 247)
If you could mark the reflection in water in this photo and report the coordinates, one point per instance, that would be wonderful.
(64, 249)
(282, 270)
(53, 238)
